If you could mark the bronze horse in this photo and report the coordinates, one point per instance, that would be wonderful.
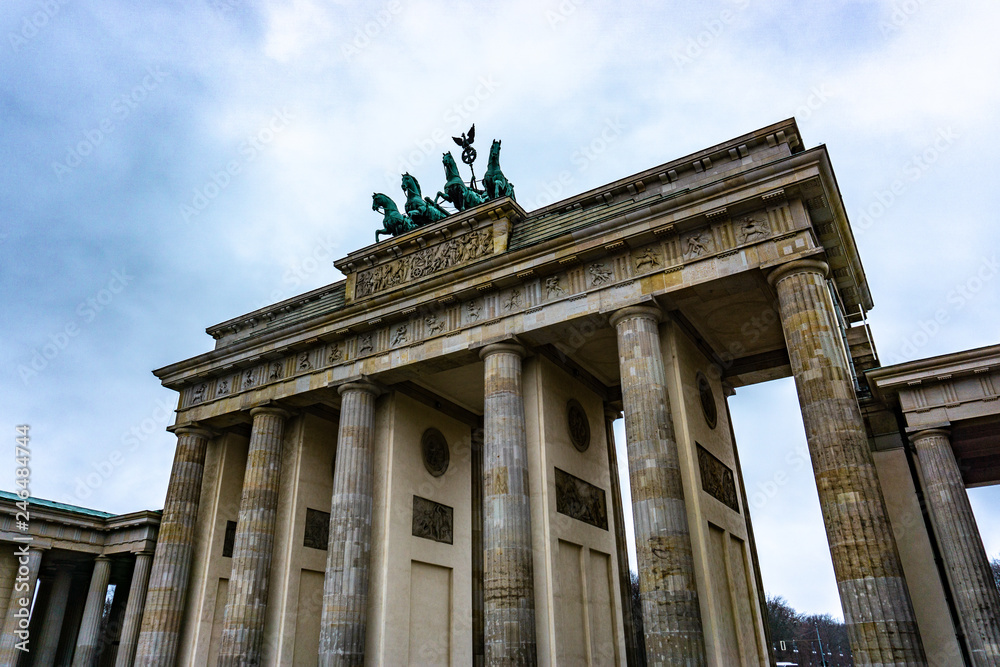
(456, 192)
(422, 210)
(394, 223)
(497, 185)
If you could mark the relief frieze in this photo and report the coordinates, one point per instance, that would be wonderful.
(580, 500)
(717, 479)
(424, 262)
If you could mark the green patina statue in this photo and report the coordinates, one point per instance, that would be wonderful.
(456, 192)
(497, 185)
(422, 210)
(394, 223)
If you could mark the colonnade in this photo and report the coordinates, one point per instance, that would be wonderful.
(41, 636)
(877, 607)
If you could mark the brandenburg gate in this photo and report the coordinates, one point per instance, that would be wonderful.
(416, 464)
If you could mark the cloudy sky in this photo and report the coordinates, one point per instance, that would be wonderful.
(167, 166)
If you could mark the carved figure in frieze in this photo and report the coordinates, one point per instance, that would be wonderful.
(336, 354)
(365, 343)
(248, 379)
(475, 309)
(223, 388)
(304, 363)
(514, 302)
(648, 257)
(752, 229)
(600, 274)
(697, 244)
(433, 324)
(552, 286)
(422, 210)
(497, 185)
(275, 371)
(199, 393)
(400, 335)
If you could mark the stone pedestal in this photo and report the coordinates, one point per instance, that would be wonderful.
(48, 641)
(133, 610)
(961, 546)
(171, 570)
(670, 605)
(345, 589)
(877, 607)
(243, 628)
(25, 578)
(508, 594)
(89, 637)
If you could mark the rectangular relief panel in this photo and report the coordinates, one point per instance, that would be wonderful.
(717, 479)
(571, 644)
(309, 612)
(432, 521)
(317, 532)
(580, 500)
(430, 614)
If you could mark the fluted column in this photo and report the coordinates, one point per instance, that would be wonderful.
(55, 612)
(89, 637)
(671, 615)
(15, 625)
(171, 571)
(624, 576)
(509, 589)
(345, 587)
(877, 608)
(961, 546)
(243, 625)
(133, 609)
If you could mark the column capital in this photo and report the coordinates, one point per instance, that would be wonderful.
(192, 428)
(797, 266)
(509, 347)
(360, 385)
(942, 431)
(612, 412)
(270, 410)
(647, 312)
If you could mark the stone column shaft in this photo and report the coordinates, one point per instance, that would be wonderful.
(877, 608)
(133, 610)
(670, 605)
(48, 642)
(961, 546)
(16, 621)
(345, 586)
(246, 605)
(509, 589)
(89, 637)
(171, 570)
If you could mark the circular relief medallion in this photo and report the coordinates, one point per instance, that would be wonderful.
(579, 425)
(707, 400)
(435, 451)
